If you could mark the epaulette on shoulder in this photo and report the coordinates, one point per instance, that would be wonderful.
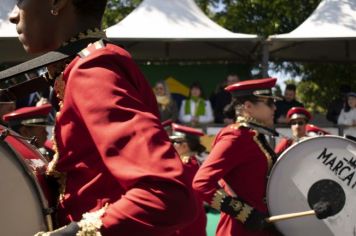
(91, 48)
(235, 126)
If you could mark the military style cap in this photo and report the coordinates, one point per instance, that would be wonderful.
(298, 112)
(181, 132)
(351, 94)
(313, 130)
(30, 116)
(257, 87)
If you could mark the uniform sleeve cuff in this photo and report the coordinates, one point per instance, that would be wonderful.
(91, 223)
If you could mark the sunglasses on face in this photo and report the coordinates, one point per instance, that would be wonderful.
(300, 123)
(270, 102)
(177, 141)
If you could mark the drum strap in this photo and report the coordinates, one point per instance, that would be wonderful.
(22, 89)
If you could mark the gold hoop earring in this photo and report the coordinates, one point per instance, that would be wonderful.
(54, 12)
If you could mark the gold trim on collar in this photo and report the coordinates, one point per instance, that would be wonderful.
(245, 120)
(185, 159)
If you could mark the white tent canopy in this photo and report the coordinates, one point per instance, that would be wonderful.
(329, 34)
(156, 30)
(179, 30)
(11, 49)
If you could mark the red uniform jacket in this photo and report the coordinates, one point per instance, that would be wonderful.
(283, 145)
(241, 158)
(198, 226)
(112, 149)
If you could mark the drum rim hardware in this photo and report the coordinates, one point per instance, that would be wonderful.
(6, 132)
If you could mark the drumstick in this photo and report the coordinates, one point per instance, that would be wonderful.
(289, 216)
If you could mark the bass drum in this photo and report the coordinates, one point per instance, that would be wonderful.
(316, 169)
(23, 190)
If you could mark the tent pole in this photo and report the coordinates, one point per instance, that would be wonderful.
(265, 58)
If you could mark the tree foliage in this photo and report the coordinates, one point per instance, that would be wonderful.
(264, 17)
(117, 9)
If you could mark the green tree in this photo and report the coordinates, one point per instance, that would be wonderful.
(264, 17)
(117, 9)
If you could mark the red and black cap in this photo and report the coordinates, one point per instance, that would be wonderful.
(180, 132)
(256, 87)
(313, 130)
(29, 116)
(298, 112)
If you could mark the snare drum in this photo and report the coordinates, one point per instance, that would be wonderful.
(304, 172)
(23, 190)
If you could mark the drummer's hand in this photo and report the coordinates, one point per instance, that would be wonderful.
(68, 230)
(257, 221)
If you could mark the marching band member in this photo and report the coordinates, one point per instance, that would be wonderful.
(119, 173)
(240, 161)
(186, 141)
(7, 104)
(313, 131)
(30, 122)
(298, 118)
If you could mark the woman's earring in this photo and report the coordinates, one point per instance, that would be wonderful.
(54, 12)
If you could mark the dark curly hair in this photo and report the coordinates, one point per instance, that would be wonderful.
(91, 8)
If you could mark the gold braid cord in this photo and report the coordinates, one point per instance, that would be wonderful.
(51, 169)
(263, 149)
(243, 209)
(243, 121)
(91, 223)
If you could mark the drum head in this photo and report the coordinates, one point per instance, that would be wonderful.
(21, 205)
(316, 169)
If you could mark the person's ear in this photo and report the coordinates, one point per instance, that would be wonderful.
(57, 6)
(185, 146)
(248, 105)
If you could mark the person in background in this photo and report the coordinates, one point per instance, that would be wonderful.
(166, 105)
(186, 142)
(195, 110)
(347, 115)
(31, 122)
(338, 103)
(221, 98)
(7, 104)
(240, 161)
(117, 169)
(313, 131)
(289, 101)
(298, 118)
